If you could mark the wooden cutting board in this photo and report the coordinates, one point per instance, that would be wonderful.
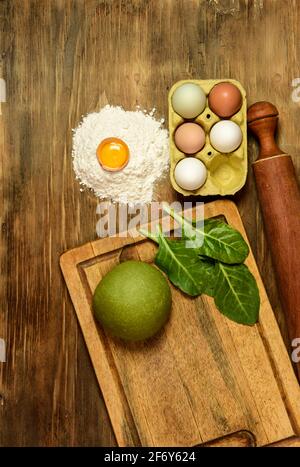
(204, 379)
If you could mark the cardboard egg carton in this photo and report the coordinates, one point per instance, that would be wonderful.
(226, 173)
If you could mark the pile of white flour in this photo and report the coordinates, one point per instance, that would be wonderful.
(149, 154)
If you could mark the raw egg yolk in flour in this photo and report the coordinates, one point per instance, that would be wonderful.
(113, 154)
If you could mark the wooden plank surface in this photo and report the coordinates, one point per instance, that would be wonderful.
(61, 59)
(222, 379)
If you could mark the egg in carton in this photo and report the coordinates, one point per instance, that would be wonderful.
(219, 172)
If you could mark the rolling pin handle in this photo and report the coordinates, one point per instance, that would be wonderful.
(262, 120)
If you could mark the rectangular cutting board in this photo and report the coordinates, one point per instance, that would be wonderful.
(204, 380)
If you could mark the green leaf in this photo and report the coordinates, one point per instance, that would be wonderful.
(236, 293)
(233, 287)
(184, 267)
(223, 243)
(217, 240)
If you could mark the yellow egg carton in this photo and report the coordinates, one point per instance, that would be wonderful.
(226, 173)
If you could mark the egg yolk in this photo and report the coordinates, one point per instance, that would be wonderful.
(113, 154)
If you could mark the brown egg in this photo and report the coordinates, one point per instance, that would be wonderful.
(225, 99)
(189, 138)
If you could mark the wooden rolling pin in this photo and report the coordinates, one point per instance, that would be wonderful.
(279, 198)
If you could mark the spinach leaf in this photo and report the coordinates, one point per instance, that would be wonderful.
(223, 243)
(217, 240)
(184, 267)
(236, 293)
(187, 263)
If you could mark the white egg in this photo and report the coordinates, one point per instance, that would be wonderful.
(190, 173)
(189, 100)
(225, 136)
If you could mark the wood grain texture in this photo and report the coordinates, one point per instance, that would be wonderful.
(223, 378)
(293, 442)
(59, 59)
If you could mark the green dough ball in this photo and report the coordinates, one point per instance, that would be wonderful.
(133, 301)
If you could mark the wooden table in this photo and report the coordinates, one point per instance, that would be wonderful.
(61, 59)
